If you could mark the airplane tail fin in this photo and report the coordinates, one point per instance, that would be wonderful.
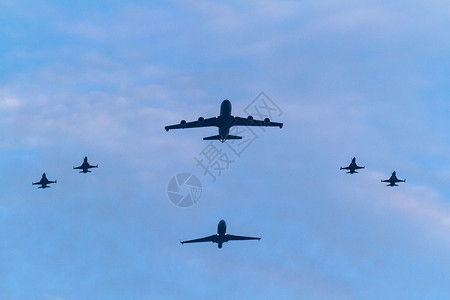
(217, 137)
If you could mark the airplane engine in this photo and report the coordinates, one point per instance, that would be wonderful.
(266, 121)
(183, 123)
(201, 120)
(250, 118)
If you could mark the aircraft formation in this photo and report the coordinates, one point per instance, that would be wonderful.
(223, 122)
(44, 182)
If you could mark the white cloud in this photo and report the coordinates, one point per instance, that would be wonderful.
(9, 104)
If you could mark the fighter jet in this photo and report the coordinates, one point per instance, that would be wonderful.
(224, 122)
(85, 166)
(393, 180)
(221, 236)
(352, 167)
(44, 182)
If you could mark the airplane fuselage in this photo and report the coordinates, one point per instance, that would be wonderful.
(43, 185)
(222, 228)
(352, 168)
(85, 167)
(221, 232)
(225, 119)
(393, 180)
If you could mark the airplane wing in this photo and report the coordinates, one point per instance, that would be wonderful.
(231, 237)
(345, 168)
(358, 167)
(210, 238)
(387, 180)
(34, 183)
(200, 123)
(251, 122)
(78, 167)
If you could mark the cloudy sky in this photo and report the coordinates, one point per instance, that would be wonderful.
(350, 78)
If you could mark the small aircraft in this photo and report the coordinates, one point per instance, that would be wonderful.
(393, 180)
(44, 182)
(85, 166)
(221, 236)
(352, 167)
(224, 122)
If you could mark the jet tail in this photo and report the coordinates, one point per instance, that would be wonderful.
(218, 137)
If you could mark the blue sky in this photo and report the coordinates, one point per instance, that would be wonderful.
(353, 78)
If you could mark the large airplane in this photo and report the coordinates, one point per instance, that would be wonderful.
(352, 167)
(44, 182)
(85, 166)
(224, 121)
(221, 237)
(393, 180)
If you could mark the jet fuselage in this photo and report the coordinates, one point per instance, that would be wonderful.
(221, 232)
(224, 119)
(222, 228)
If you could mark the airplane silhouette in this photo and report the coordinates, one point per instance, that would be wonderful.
(85, 166)
(393, 180)
(224, 122)
(44, 182)
(352, 167)
(221, 236)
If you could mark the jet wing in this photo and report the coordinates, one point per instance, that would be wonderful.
(345, 168)
(210, 238)
(247, 122)
(387, 180)
(205, 123)
(80, 167)
(230, 237)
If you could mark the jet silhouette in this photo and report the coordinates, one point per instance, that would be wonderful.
(44, 182)
(352, 167)
(224, 122)
(85, 166)
(221, 236)
(393, 180)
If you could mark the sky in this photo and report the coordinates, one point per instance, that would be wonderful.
(364, 79)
